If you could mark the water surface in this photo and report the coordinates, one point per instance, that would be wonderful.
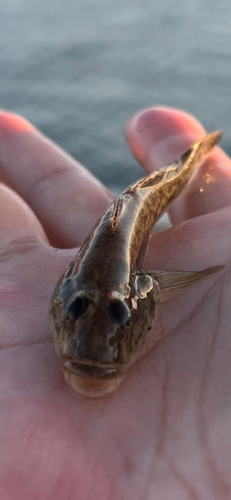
(80, 69)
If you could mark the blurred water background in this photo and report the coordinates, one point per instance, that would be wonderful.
(79, 69)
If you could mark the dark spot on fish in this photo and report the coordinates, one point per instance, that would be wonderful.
(77, 307)
(119, 312)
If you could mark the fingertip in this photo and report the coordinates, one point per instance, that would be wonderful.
(150, 127)
(11, 123)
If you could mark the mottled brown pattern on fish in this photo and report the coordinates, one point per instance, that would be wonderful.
(104, 304)
(158, 190)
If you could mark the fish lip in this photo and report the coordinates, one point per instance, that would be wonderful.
(91, 369)
(84, 361)
(90, 387)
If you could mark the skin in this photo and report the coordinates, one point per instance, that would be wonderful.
(165, 433)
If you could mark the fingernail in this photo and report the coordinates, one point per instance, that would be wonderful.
(11, 123)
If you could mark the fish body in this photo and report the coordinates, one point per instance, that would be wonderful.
(104, 305)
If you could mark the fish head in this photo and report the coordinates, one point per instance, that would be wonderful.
(93, 336)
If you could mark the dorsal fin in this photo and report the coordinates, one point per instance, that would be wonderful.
(119, 204)
(117, 210)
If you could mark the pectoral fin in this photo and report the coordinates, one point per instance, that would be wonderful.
(147, 287)
(143, 285)
(172, 283)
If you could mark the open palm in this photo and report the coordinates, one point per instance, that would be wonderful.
(165, 434)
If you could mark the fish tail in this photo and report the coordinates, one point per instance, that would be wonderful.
(178, 174)
(197, 154)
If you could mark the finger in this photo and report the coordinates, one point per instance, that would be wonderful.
(66, 198)
(18, 224)
(159, 136)
(193, 245)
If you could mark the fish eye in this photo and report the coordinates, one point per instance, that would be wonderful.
(77, 307)
(119, 312)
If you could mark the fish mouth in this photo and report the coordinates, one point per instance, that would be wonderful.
(92, 380)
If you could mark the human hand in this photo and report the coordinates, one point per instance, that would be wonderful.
(164, 434)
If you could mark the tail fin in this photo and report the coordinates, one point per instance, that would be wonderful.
(184, 167)
(198, 153)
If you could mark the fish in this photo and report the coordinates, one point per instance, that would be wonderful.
(105, 304)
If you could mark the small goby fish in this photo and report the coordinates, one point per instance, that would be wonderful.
(104, 305)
